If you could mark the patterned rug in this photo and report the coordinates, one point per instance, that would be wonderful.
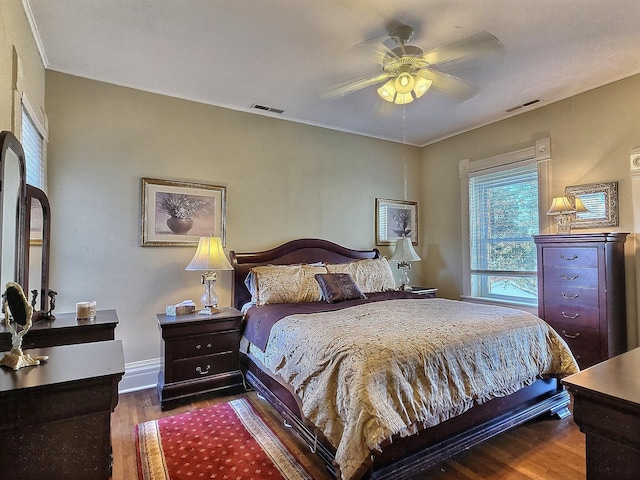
(225, 441)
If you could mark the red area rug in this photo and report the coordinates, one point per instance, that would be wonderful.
(226, 441)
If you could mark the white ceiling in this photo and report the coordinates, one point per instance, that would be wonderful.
(286, 53)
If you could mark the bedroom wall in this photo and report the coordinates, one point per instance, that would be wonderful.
(284, 180)
(591, 138)
(15, 32)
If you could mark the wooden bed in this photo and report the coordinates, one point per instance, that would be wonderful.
(404, 456)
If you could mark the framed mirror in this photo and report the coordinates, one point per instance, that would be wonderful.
(12, 210)
(37, 231)
(601, 202)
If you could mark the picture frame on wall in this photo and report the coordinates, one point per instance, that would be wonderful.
(177, 213)
(600, 201)
(394, 219)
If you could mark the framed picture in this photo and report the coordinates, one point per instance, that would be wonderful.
(394, 219)
(177, 214)
(601, 202)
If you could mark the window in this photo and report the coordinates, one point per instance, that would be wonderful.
(503, 201)
(503, 216)
(33, 145)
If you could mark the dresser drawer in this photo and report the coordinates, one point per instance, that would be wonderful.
(571, 276)
(198, 367)
(578, 315)
(570, 296)
(200, 345)
(570, 257)
(579, 338)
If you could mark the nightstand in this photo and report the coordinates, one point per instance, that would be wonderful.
(200, 354)
(428, 292)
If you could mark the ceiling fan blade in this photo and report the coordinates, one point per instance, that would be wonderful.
(379, 49)
(454, 87)
(480, 44)
(354, 85)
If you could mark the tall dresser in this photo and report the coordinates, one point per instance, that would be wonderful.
(581, 292)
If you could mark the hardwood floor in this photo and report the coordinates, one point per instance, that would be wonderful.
(545, 449)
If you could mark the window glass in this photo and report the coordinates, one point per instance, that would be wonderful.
(33, 145)
(503, 216)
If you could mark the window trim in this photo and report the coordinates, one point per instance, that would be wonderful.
(540, 153)
(22, 98)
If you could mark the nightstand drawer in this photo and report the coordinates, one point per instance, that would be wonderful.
(204, 344)
(570, 257)
(579, 338)
(569, 296)
(579, 315)
(571, 277)
(198, 367)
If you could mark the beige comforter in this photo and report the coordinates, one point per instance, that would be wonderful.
(368, 372)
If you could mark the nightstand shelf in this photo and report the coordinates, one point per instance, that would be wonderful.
(200, 354)
(429, 292)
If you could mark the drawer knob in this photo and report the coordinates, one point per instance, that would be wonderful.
(209, 345)
(198, 347)
(570, 297)
(203, 371)
(570, 317)
(569, 335)
(566, 277)
(575, 257)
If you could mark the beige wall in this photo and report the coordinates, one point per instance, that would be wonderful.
(591, 137)
(15, 33)
(284, 180)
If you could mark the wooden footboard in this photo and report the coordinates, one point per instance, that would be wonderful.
(411, 455)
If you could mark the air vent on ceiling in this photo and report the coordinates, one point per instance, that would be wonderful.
(518, 107)
(268, 109)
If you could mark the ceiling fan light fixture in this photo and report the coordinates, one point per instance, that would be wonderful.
(403, 98)
(404, 83)
(388, 91)
(422, 85)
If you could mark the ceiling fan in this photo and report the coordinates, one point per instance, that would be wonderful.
(408, 72)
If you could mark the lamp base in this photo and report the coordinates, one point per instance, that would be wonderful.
(404, 276)
(208, 310)
(564, 223)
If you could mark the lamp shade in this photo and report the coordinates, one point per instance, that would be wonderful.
(561, 206)
(209, 256)
(580, 208)
(404, 251)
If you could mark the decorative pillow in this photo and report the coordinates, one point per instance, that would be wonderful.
(286, 284)
(338, 287)
(371, 274)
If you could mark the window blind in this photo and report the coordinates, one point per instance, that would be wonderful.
(32, 143)
(503, 216)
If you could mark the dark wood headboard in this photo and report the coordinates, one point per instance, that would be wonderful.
(305, 250)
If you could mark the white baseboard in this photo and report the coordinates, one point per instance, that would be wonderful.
(140, 375)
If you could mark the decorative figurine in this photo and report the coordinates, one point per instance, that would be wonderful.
(16, 307)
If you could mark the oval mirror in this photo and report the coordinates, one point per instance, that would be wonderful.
(12, 210)
(38, 229)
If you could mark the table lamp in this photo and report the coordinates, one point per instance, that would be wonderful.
(209, 257)
(404, 255)
(565, 212)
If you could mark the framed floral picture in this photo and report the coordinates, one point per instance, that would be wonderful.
(177, 214)
(394, 219)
